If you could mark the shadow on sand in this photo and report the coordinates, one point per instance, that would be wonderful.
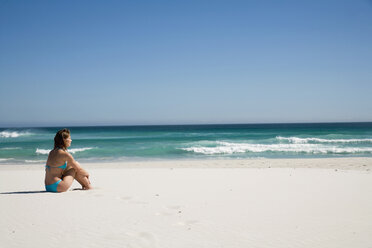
(33, 192)
(23, 192)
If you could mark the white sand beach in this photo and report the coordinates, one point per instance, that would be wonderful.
(208, 203)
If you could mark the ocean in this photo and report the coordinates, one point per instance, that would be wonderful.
(237, 141)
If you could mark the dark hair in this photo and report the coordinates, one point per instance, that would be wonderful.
(59, 139)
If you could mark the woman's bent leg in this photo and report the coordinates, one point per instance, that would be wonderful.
(67, 179)
(83, 180)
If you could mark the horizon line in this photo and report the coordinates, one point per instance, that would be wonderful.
(194, 124)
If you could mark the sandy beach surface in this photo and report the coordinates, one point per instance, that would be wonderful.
(207, 203)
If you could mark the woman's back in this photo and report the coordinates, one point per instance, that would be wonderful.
(55, 165)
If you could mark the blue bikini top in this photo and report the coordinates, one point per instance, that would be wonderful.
(62, 166)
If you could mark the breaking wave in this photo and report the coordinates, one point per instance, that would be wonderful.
(297, 140)
(5, 159)
(13, 134)
(231, 148)
(10, 148)
(74, 150)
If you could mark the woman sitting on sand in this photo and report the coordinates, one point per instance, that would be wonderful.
(61, 168)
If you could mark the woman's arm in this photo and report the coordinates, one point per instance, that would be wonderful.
(75, 164)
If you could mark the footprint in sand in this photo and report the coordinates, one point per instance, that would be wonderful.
(174, 207)
(186, 223)
(170, 210)
(141, 240)
(124, 198)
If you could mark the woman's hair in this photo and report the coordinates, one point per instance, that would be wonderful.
(59, 139)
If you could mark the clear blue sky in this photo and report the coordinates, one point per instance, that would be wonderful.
(182, 62)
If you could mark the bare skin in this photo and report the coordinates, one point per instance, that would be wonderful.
(58, 157)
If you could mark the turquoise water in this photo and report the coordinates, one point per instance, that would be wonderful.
(116, 143)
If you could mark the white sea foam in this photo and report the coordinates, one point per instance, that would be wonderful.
(13, 134)
(34, 161)
(10, 148)
(5, 159)
(298, 140)
(231, 148)
(74, 150)
(42, 151)
(80, 149)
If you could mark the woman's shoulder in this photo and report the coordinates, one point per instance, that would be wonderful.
(64, 153)
(56, 157)
(59, 153)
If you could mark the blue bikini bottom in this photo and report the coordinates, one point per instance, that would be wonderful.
(52, 187)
